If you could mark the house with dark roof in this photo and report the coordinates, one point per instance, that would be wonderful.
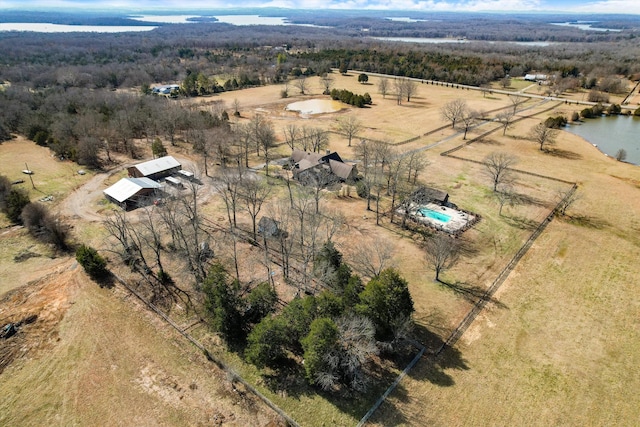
(130, 192)
(426, 195)
(156, 168)
(312, 168)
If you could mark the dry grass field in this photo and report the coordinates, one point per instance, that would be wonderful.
(558, 344)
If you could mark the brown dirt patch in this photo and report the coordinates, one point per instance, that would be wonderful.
(36, 309)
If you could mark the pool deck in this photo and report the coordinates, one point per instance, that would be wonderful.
(459, 220)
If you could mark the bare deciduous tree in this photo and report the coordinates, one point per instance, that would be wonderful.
(505, 118)
(516, 99)
(453, 111)
(301, 83)
(410, 87)
(399, 88)
(351, 126)
(254, 193)
(383, 86)
(228, 186)
(417, 162)
(506, 197)
(373, 256)
(497, 166)
(327, 83)
(291, 134)
(441, 252)
(468, 119)
(543, 135)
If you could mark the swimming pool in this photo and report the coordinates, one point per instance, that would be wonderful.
(434, 215)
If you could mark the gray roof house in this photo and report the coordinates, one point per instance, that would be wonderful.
(309, 168)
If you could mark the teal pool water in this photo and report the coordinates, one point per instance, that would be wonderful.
(434, 215)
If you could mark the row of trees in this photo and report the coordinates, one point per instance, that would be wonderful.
(351, 98)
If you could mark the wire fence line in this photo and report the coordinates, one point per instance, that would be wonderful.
(500, 279)
(395, 383)
(226, 368)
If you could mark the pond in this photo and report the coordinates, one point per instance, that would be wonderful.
(610, 134)
(315, 106)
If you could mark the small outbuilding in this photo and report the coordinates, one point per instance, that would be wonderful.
(426, 195)
(130, 192)
(156, 168)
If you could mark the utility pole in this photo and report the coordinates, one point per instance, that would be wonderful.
(29, 173)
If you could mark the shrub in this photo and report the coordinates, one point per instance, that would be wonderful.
(596, 96)
(158, 148)
(94, 264)
(598, 109)
(261, 302)
(362, 189)
(556, 122)
(13, 204)
(637, 112)
(587, 113)
(614, 109)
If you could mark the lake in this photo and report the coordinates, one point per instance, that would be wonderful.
(443, 40)
(584, 25)
(166, 19)
(226, 19)
(610, 134)
(58, 28)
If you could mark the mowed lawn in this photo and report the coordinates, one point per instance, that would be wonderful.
(562, 345)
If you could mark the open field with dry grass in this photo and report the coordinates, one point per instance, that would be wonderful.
(558, 344)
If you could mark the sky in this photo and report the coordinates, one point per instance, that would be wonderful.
(579, 6)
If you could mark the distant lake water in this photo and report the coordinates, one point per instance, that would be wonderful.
(57, 28)
(226, 19)
(164, 19)
(444, 40)
(584, 25)
(420, 40)
(610, 134)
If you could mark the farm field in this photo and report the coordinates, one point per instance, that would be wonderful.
(557, 345)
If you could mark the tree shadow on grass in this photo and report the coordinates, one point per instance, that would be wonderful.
(520, 222)
(471, 293)
(563, 154)
(488, 141)
(524, 199)
(107, 280)
(586, 221)
(432, 366)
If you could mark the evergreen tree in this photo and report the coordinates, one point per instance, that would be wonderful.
(223, 305)
(384, 300)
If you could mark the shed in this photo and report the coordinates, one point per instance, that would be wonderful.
(129, 191)
(156, 168)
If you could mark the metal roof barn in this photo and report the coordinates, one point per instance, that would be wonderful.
(128, 188)
(156, 168)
